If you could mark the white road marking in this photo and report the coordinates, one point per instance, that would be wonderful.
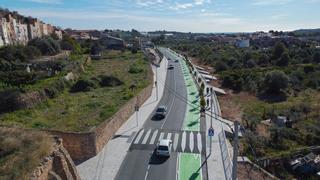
(183, 141)
(199, 142)
(138, 137)
(175, 141)
(169, 136)
(177, 166)
(147, 173)
(174, 97)
(144, 141)
(191, 142)
(161, 136)
(153, 138)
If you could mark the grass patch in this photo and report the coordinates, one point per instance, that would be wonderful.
(21, 152)
(83, 110)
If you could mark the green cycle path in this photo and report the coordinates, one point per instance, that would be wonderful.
(190, 164)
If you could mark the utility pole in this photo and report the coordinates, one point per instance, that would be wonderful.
(235, 150)
(156, 83)
(211, 128)
(137, 110)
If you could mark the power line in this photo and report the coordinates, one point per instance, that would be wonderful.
(183, 99)
(216, 116)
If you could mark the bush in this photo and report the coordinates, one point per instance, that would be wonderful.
(135, 69)
(284, 60)
(47, 45)
(84, 85)
(221, 66)
(275, 81)
(110, 81)
(96, 48)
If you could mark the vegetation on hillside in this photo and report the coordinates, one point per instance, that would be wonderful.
(99, 93)
(283, 79)
(21, 152)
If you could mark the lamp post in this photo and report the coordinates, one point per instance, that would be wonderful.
(156, 82)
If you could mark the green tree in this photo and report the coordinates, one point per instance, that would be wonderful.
(279, 49)
(275, 81)
(221, 66)
(316, 57)
(284, 59)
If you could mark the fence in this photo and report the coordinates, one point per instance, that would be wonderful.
(227, 164)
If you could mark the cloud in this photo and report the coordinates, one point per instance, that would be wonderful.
(199, 2)
(149, 2)
(179, 6)
(194, 3)
(270, 2)
(46, 1)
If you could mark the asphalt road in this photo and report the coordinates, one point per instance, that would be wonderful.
(143, 164)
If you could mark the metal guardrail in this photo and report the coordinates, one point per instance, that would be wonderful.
(227, 163)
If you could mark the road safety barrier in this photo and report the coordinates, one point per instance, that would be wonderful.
(227, 163)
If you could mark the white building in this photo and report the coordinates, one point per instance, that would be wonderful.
(22, 33)
(243, 43)
(3, 32)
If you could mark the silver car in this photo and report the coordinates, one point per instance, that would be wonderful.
(164, 147)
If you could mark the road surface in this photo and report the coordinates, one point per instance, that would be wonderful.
(140, 161)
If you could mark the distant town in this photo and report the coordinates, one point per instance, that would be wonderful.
(124, 104)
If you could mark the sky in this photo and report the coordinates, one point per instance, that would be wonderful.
(173, 15)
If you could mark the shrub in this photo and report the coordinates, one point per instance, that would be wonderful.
(21, 152)
(135, 69)
(110, 81)
(284, 59)
(84, 85)
(275, 81)
(221, 66)
(47, 45)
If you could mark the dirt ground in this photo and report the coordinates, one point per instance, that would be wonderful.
(246, 172)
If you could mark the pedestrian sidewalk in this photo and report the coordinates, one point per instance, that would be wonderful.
(218, 162)
(107, 163)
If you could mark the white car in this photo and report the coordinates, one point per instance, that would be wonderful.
(164, 147)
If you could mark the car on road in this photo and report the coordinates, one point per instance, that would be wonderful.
(164, 147)
(161, 112)
(170, 66)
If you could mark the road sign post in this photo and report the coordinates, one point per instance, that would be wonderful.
(136, 108)
(211, 134)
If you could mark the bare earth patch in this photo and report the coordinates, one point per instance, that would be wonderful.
(247, 172)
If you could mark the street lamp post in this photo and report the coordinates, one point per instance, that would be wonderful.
(156, 82)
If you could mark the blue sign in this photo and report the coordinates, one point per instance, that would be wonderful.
(211, 131)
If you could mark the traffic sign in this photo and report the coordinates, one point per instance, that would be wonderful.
(136, 107)
(210, 131)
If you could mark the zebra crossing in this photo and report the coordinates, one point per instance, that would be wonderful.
(182, 141)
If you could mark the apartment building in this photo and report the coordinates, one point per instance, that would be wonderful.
(17, 29)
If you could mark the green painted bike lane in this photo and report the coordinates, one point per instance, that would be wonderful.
(189, 164)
